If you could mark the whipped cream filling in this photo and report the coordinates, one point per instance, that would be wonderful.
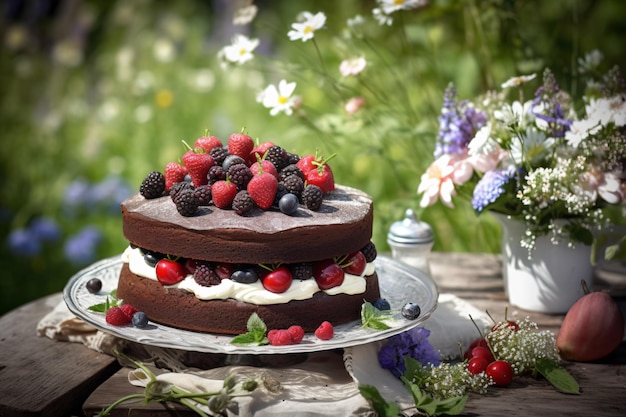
(253, 293)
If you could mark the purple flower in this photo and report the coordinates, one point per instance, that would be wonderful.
(22, 242)
(45, 229)
(458, 123)
(412, 343)
(489, 188)
(81, 247)
(550, 108)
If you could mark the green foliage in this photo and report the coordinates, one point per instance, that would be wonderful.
(105, 89)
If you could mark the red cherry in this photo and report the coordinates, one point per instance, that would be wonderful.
(278, 280)
(224, 270)
(477, 365)
(170, 272)
(190, 265)
(509, 323)
(501, 373)
(482, 352)
(356, 263)
(328, 274)
(478, 342)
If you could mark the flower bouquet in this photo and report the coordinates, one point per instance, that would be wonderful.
(554, 161)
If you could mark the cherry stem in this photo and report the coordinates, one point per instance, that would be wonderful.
(583, 284)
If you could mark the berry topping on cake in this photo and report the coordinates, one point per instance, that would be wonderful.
(262, 188)
(170, 272)
(203, 194)
(288, 203)
(153, 186)
(370, 252)
(198, 162)
(325, 331)
(328, 274)
(205, 275)
(277, 280)
(312, 197)
(208, 142)
(240, 175)
(186, 202)
(174, 172)
(241, 145)
(224, 193)
(243, 203)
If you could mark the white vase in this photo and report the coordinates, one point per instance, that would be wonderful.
(546, 280)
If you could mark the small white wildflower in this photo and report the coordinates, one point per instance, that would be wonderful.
(590, 61)
(245, 15)
(305, 28)
(240, 50)
(391, 6)
(352, 66)
(278, 99)
(517, 81)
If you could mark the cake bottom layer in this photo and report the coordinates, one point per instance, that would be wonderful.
(179, 308)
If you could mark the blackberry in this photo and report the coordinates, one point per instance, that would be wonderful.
(277, 156)
(370, 252)
(280, 192)
(243, 203)
(203, 194)
(289, 170)
(292, 158)
(219, 153)
(216, 173)
(301, 271)
(312, 197)
(240, 175)
(205, 275)
(153, 185)
(180, 186)
(186, 202)
(294, 184)
(232, 160)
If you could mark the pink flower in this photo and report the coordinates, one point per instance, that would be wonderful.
(607, 186)
(440, 178)
(354, 104)
(352, 66)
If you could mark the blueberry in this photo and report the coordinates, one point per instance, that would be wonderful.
(151, 258)
(94, 285)
(140, 319)
(245, 275)
(382, 304)
(288, 203)
(411, 311)
(232, 160)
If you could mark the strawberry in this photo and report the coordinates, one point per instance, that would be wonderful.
(198, 163)
(174, 172)
(264, 166)
(128, 310)
(262, 188)
(325, 331)
(259, 151)
(223, 193)
(317, 171)
(207, 142)
(116, 316)
(241, 145)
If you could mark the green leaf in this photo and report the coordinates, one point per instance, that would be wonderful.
(374, 318)
(255, 323)
(380, 406)
(435, 406)
(255, 335)
(557, 376)
(99, 308)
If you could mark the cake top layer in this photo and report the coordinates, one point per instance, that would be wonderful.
(343, 224)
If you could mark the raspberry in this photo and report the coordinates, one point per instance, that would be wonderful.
(302, 271)
(153, 185)
(128, 310)
(203, 194)
(297, 334)
(116, 317)
(186, 202)
(370, 252)
(280, 337)
(243, 203)
(312, 197)
(240, 175)
(206, 276)
(325, 331)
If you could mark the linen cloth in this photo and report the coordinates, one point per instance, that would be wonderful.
(316, 384)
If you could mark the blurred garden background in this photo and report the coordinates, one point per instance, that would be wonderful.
(95, 94)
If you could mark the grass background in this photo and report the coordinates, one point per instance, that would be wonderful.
(104, 91)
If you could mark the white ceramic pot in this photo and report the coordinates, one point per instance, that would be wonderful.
(549, 281)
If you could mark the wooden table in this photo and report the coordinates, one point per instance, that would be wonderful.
(41, 377)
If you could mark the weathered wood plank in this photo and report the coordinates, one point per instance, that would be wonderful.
(42, 377)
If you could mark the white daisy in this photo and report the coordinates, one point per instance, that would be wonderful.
(240, 50)
(278, 99)
(517, 81)
(307, 25)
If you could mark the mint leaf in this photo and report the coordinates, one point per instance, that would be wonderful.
(374, 318)
(255, 335)
(98, 308)
(557, 376)
(110, 301)
(380, 406)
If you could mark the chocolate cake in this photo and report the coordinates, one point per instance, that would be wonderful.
(242, 229)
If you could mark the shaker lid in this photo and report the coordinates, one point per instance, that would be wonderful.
(410, 230)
